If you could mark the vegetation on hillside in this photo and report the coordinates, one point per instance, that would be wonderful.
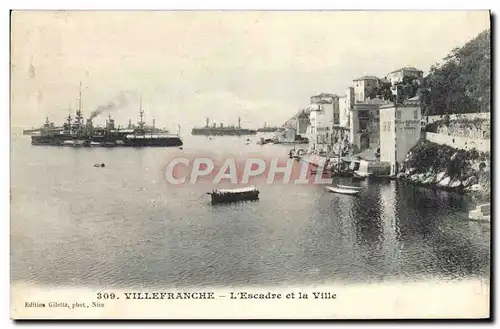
(406, 89)
(440, 165)
(460, 84)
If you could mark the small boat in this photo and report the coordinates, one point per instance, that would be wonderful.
(359, 175)
(351, 187)
(342, 190)
(481, 213)
(234, 195)
(99, 165)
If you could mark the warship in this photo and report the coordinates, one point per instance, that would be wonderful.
(221, 130)
(266, 129)
(77, 133)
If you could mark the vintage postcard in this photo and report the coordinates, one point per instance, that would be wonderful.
(250, 164)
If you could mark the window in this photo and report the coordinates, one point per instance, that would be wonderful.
(415, 114)
(398, 115)
(363, 114)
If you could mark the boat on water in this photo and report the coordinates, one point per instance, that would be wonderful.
(351, 187)
(76, 132)
(267, 129)
(360, 175)
(342, 190)
(234, 195)
(481, 213)
(296, 154)
(222, 130)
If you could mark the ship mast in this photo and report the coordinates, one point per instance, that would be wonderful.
(239, 123)
(79, 110)
(141, 114)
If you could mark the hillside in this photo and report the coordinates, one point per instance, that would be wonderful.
(462, 83)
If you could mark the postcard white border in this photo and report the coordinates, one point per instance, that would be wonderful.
(200, 4)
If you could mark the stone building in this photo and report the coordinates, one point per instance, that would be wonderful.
(400, 130)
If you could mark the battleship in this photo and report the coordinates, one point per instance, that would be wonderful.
(266, 129)
(75, 132)
(221, 130)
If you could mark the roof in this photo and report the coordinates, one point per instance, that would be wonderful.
(376, 101)
(325, 95)
(407, 68)
(366, 77)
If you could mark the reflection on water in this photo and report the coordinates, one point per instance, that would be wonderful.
(73, 224)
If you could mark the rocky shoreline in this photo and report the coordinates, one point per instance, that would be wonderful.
(441, 166)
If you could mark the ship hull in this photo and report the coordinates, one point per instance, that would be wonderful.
(222, 132)
(49, 140)
(171, 141)
(149, 142)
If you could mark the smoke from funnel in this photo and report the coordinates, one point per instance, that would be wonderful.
(123, 99)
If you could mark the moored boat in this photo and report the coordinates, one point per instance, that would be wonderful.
(234, 195)
(342, 190)
(360, 175)
(349, 187)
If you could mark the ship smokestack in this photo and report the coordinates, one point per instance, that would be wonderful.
(123, 99)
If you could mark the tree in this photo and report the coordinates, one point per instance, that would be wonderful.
(461, 84)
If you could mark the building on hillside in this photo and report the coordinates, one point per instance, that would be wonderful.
(363, 87)
(299, 122)
(350, 98)
(343, 112)
(365, 125)
(398, 75)
(399, 131)
(302, 123)
(324, 114)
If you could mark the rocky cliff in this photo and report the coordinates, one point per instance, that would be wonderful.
(448, 168)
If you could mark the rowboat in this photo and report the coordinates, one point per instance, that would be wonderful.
(349, 187)
(342, 190)
(234, 195)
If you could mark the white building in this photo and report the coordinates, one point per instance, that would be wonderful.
(398, 75)
(364, 119)
(343, 112)
(324, 114)
(363, 87)
(399, 131)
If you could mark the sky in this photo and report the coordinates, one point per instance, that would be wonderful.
(190, 65)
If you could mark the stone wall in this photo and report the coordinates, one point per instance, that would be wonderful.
(470, 116)
(463, 143)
